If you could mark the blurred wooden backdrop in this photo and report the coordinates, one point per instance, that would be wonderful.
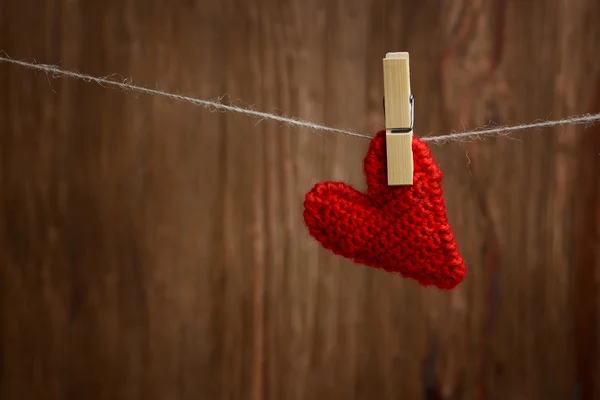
(156, 250)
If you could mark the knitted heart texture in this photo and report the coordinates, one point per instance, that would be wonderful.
(400, 229)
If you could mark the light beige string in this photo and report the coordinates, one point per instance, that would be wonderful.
(481, 133)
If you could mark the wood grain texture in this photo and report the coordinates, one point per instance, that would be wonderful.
(154, 250)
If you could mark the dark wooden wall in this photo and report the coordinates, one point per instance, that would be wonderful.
(156, 250)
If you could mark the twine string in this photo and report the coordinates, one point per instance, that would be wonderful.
(125, 85)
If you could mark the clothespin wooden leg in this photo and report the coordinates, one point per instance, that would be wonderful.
(399, 118)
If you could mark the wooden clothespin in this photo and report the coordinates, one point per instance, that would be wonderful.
(399, 118)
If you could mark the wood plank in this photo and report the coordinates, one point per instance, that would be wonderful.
(152, 249)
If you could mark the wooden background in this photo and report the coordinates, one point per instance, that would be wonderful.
(155, 250)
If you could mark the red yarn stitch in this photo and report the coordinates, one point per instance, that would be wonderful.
(396, 228)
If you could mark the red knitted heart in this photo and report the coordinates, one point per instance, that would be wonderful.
(396, 228)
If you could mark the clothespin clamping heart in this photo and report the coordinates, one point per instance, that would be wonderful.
(400, 223)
